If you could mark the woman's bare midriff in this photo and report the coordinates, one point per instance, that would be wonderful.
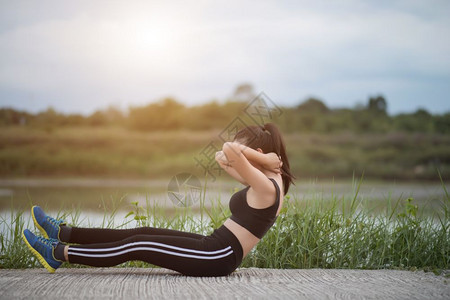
(245, 237)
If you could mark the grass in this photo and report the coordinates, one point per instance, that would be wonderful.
(333, 232)
(327, 238)
(14, 254)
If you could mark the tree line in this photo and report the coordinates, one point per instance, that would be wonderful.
(311, 115)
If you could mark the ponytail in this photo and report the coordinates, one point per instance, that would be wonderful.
(280, 149)
(268, 138)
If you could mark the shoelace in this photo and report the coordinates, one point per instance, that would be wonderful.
(48, 242)
(54, 222)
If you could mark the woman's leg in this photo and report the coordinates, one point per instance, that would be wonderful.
(208, 256)
(57, 229)
(100, 235)
(188, 253)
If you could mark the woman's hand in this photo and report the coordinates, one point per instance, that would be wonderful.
(222, 159)
(272, 162)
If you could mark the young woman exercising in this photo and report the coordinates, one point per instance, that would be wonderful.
(256, 158)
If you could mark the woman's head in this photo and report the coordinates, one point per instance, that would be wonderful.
(267, 138)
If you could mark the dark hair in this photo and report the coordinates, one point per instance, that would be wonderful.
(268, 138)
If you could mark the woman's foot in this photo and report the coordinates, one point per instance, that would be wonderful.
(43, 249)
(48, 226)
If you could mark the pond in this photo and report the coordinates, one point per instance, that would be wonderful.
(95, 196)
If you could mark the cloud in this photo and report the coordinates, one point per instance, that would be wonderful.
(83, 57)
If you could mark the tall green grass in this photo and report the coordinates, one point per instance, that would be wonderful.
(318, 236)
(334, 232)
(14, 254)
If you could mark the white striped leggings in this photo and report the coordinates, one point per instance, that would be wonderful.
(191, 254)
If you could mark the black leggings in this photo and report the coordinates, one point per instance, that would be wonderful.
(191, 254)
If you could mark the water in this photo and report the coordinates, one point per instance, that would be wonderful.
(91, 203)
(97, 196)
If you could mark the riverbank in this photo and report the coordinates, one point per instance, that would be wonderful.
(324, 228)
(118, 152)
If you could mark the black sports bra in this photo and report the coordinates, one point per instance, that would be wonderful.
(256, 220)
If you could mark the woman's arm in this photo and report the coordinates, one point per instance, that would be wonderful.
(239, 157)
(270, 161)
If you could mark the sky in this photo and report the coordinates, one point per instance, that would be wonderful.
(81, 56)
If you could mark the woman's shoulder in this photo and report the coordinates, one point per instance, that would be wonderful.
(272, 186)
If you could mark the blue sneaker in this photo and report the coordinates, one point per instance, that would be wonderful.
(48, 226)
(43, 249)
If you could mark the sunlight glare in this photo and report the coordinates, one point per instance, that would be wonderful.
(138, 43)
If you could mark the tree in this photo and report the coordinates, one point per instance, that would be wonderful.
(114, 115)
(244, 92)
(377, 105)
(165, 114)
(98, 118)
(442, 123)
(313, 105)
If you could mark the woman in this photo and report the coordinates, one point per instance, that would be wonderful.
(257, 158)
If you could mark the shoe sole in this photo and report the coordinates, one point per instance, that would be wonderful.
(38, 256)
(42, 230)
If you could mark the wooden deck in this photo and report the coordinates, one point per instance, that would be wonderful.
(135, 283)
